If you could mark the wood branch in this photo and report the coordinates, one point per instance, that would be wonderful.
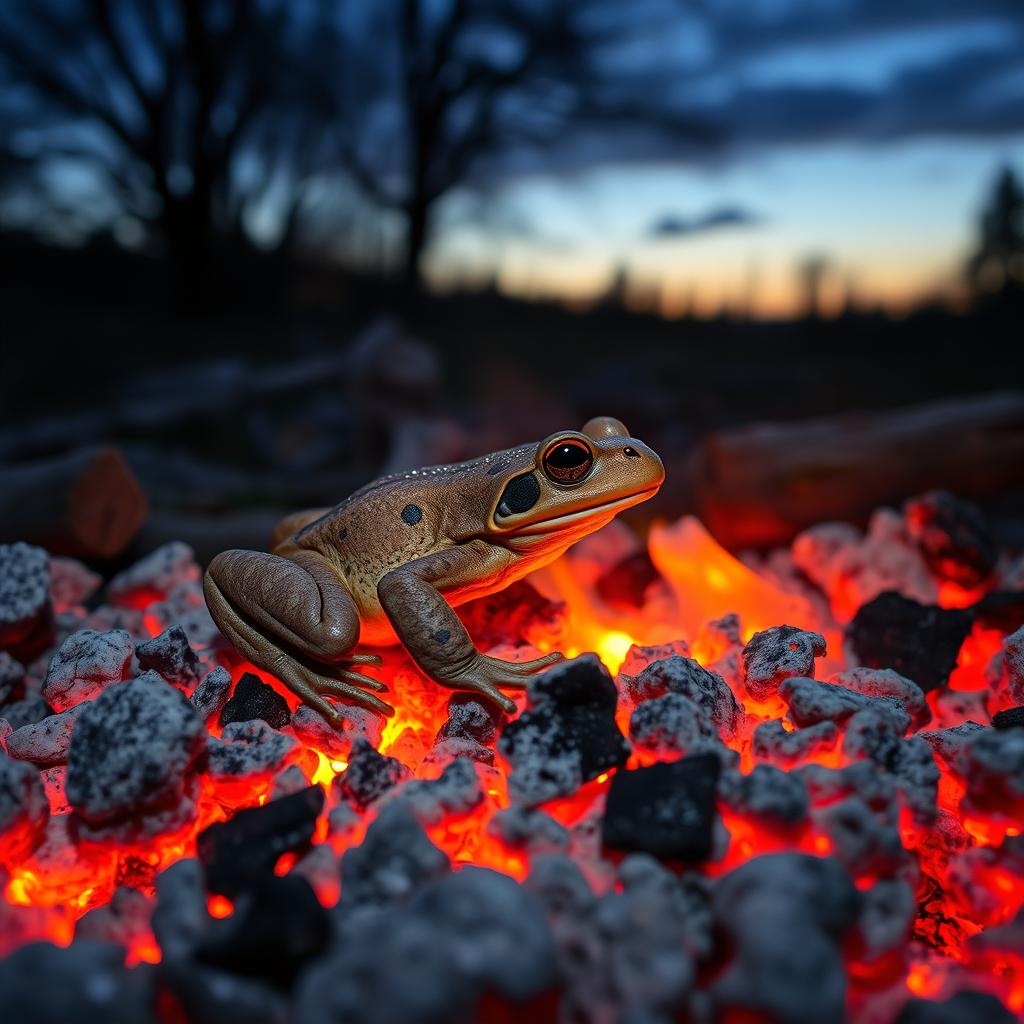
(87, 504)
(761, 485)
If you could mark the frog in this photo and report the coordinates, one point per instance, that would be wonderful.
(389, 564)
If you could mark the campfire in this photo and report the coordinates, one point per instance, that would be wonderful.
(778, 787)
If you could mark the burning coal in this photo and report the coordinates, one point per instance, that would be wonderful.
(788, 788)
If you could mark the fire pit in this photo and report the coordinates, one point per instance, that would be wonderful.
(784, 788)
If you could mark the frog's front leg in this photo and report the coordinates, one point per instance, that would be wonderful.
(295, 619)
(432, 632)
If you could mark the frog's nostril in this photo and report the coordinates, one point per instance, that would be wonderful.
(630, 453)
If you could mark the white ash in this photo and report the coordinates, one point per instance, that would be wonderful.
(776, 654)
(785, 915)
(788, 748)
(884, 682)
(886, 917)
(45, 743)
(132, 766)
(529, 829)
(212, 693)
(157, 574)
(687, 677)
(345, 824)
(457, 790)
(71, 582)
(85, 664)
(171, 656)
(639, 656)
(250, 751)
(24, 810)
(24, 590)
(766, 794)
(810, 702)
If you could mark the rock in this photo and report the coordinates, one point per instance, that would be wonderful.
(212, 693)
(45, 743)
(568, 735)
(24, 811)
(255, 699)
(886, 917)
(368, 776)
(171, 656)
(883, 682)
(250, 752)
(811, 702)
(992, 764)
(787, 748)
(766, 794)
(85, 664)
(672, 724)
(1010, 718)
(132, 766)
(152, 578)
(953, 537)
(71, 583)
(469, 718)
(639, 656)
(666, 810)
(456, 791)
(964, 1007)
(526, 828)
(26, 612)
(12, 680)
(315, 731)
(921, 642)
(242, 851)
(776, 654)
(24, 712)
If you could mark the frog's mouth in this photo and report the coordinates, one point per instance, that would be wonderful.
(565, 523)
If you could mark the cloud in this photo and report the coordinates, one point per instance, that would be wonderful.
(673, 225)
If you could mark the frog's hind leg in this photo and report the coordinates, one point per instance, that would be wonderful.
(293, 618)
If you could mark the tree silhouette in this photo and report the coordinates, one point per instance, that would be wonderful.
(184, 114)
(998, 262)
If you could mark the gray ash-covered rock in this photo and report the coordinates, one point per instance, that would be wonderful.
(12, 680)
(85, 664)
(457, 790)
(674, 724)
(953, 536)
(949, 744)
(776, 654)
(789, 747)
(766, 794)
(883, 682)
(250, 752)
(1009, 664)
(72, 583)
(26, 612)
(469, 718)
(212, 693)
(919, 641)
(123, 919)
(784, 916)
(243, 850)
(357, 723)
(992, 765)
(24, 810)
(171, 656)
(639, 656)
(864, 839)
(886, 919)
(666, 809)
(529, 829)
(45, 743)
(369, 775)
(254, 699)
(133, 760)
(965, 1007)
(31, 708)
(152, 578)
(811, 702)
(568, 735)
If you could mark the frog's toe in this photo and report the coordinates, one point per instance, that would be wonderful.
(364, 659)
(314, 689)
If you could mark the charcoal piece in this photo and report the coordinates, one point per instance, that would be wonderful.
(1002, 610)
(873, 733)
(1010, 718)
(949, 744)
(123, 919)
(526, 828)
(685, 676)
(810, 702)
(171, 656)
(992, 765)
(883, 682)
(26, 612)
(24, 810)
(250, 751)
(455, 791)
(788, 747)
(917, 775)
(12, 680)
(446, 751)
(71, 582)
(47, 742)
(212, 693)
(209, 995)
(767, 794)
(180, 917)
(289, 780)
(469, 718)
(368, 776)
(131, 769)
(639, 656)
(277, 926)
(253, 699)
(862, 841)
(358, 723)
(1011, 658)
(152, 578)
(568, 735)
(25, 711)
(779, 653)
(392, 862)
(953, 536)
(886, 918)
(672, 724)
(85, 664)
(241, 851)
(919, 641)
(784, 916)
(666, 810)
(965, 1007)
(625, 583)
(87, 983)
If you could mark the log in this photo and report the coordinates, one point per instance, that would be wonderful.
(87, 504)
(759, 486)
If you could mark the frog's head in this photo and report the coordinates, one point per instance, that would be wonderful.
(576, 484)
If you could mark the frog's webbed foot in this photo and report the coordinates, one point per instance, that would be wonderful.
(314, 687)
(485, 674)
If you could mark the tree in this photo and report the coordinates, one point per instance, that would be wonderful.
(184, 114)
(998, 261)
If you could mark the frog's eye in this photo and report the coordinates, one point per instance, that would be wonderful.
(567, 461)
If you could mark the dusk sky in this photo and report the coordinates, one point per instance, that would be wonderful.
(868, 132)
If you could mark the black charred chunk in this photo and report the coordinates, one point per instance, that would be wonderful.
(1001, 609)
(568, 735)
(953, 537)
(919, 641)
(239, 853)
(254, 698)
(966, 1007)
(369, 775)
(1011, 718)
(625, 583)
(171, 655)
(12, 679)
(277, 926)
(469, 718)
(666, 810)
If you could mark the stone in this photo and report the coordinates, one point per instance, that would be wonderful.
(171, 656)
(24, 811)
(776, 654)
(26, 612)
(85, 664)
